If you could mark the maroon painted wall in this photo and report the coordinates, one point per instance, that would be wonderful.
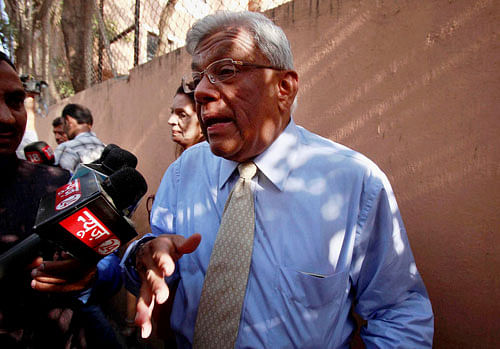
(414, 85)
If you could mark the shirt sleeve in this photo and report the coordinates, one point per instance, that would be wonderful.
(66, 158)
(108, 280)
(162, 222)
(390, 293)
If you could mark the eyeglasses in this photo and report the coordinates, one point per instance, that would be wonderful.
(218, 71)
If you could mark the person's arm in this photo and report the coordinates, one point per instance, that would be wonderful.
(30, 134)
(390, 293)
(153, 258)
(66, 158)
(108, 280)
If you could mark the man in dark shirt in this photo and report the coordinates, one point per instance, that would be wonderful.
(22, 185)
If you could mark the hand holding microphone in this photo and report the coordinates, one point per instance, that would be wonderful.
(86, 217)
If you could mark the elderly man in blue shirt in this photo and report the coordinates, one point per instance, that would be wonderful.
(327, 234)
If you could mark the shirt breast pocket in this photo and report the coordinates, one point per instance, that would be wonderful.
(310, 289)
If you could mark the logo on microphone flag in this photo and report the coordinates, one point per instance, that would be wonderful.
(85, 226)
(68, 194)
(34, 157)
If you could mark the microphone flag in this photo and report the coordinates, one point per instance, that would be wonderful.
(80, 217)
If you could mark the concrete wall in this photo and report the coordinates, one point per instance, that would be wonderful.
(414, 85)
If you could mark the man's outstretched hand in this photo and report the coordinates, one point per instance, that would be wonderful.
(155, 260)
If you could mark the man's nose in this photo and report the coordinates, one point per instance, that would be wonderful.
(206, 91)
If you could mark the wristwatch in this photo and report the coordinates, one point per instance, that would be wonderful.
(130, 262)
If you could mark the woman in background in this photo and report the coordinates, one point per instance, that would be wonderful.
(186, 129)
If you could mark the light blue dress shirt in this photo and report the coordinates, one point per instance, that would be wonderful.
(84, 148)
(328, 236)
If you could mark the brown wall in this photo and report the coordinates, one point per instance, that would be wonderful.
(414, 85)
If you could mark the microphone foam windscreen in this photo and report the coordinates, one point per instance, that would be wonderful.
(115, 159)
(126, 187)
(106, 151)
(118, 158)
(39, 152)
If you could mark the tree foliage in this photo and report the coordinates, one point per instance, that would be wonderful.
(31, 34)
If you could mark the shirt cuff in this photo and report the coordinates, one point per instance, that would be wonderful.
(130, 275)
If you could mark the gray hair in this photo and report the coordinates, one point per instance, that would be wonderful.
(270, 39)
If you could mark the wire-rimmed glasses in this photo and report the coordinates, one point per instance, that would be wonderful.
(218, 71)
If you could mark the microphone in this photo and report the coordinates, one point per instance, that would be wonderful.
(113, 158)
(105, 152)
(86, 217)
(39, 153)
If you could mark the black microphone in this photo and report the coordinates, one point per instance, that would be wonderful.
(126, 187)
(85, 217)
(113, 158)
(39, 153)
(105, 152)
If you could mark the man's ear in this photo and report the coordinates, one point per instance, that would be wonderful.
(288, 87)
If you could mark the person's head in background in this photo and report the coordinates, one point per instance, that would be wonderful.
(58, 130)
(186, 130)
(77, 119)
(12, 112)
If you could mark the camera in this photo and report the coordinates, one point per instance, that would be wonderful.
(32, 85)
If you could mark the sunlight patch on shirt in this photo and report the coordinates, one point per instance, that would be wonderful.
(335, 246)
(296, 184)
(413, 269)
(162, 217)
(313, 187)
(310, 315)
(317, 186)
(199, 209)
(331, 209)
(263, 326)
(399, 246)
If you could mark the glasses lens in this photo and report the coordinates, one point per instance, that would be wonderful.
(221, 70)
(218, 71)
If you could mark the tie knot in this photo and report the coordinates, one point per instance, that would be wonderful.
(247, 170)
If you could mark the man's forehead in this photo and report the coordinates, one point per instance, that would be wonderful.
(9, 76)
(233, 42)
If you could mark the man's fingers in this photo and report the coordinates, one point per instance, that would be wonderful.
(35, 264)
(190, 244)
(165, 263)
(48, 279)
(63, 268)
(155, 260)
(158, 286)
(62, 276)
(144, 310)
(56, 287)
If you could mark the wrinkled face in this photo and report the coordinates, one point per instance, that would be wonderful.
(186, 129)
(59, 134)
(239, 116)
(12, 112)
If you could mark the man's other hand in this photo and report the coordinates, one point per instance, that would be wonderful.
(66, 275)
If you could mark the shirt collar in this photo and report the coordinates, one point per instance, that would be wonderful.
(275, 162)
(84, 134)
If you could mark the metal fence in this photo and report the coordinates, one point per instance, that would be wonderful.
(137, 31)
(123, 34)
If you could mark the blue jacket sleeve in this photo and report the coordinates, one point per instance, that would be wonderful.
(108, 281)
